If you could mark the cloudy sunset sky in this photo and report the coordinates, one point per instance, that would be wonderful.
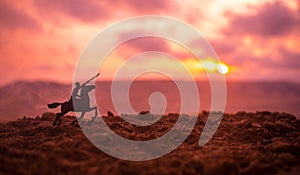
(42, 39)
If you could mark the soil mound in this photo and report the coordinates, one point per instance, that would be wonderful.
(245, 143)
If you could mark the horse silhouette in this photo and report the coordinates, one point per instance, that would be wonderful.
(77, 105)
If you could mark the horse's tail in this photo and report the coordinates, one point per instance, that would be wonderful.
(54, 105)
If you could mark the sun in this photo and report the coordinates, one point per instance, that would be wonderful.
(223, 69)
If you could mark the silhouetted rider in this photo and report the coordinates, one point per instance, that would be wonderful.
(75, 94)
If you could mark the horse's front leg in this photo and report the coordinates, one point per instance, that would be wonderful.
(81, 116)
(77, 119)
(96, 113)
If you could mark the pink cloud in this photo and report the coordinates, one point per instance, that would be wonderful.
(86, 11)
(13, 18)
(93, 11)
(148, 44)
(148, 6)
(257, 43)
(45, 32)
(271, 19)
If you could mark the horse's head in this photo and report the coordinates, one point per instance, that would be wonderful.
(87, 89)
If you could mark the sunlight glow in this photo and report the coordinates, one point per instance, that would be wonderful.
(212, 65)
(208, 64)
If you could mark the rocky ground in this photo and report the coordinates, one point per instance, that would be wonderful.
(245, 143)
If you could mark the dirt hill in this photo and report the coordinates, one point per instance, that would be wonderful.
(245, 143)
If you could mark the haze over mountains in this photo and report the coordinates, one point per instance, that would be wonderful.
(31, 98)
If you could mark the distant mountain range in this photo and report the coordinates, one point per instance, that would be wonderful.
(31, 98)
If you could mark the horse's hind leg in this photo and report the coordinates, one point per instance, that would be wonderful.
(57, 118)
(60, 115)
(54, 123)
(59, 121)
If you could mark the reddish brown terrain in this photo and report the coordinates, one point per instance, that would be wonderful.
(245, 143)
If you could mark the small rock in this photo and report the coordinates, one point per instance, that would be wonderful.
(241, 113)
(110, 114)
(144, 112)
(288, 158)
(263, 113)
(265, 142)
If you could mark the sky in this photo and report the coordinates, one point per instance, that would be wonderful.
(257, 39)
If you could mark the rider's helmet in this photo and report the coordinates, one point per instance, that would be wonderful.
(77, 84)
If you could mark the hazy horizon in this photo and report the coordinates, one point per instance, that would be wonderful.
(31, 98)
(108, 80)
